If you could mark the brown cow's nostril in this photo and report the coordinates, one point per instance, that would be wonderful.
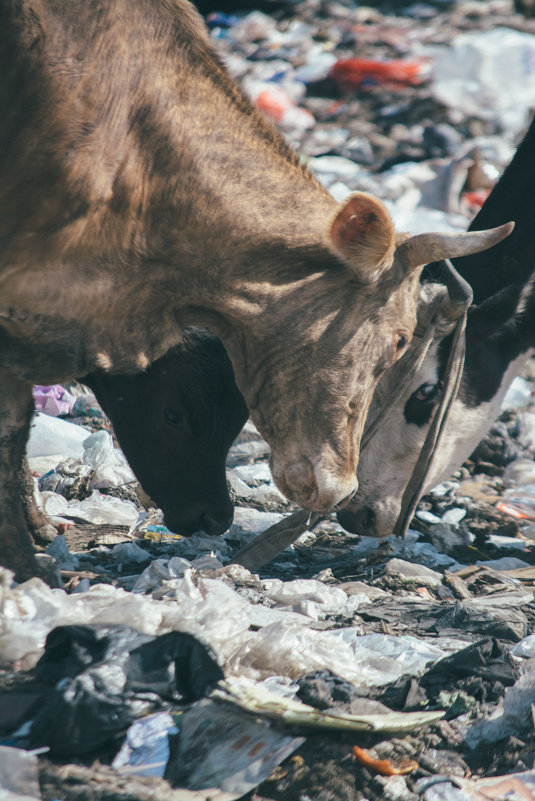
(300, 477)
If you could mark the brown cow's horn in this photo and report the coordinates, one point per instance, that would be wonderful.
(460, 293)
(424, 248)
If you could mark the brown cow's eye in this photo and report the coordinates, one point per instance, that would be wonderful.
(399, 342)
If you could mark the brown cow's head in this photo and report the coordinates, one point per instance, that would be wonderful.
(320, 335)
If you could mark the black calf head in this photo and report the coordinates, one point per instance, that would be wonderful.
(175, 424)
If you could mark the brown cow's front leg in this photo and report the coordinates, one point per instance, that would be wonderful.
(16, 408)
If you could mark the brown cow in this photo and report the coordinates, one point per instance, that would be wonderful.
(139, 193)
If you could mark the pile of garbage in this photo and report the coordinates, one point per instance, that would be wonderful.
(346, 668)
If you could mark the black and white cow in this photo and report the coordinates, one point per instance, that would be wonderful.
(500, 337)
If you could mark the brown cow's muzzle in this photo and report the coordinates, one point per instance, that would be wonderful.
(313, 487)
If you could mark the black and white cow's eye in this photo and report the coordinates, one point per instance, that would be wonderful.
(174, 419)
(419, 407)
(427, 392)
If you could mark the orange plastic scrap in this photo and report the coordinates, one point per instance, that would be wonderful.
(352, 73)
(274, 102)
(383, 766)
(516, 510)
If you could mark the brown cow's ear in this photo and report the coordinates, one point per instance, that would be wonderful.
(363, 233)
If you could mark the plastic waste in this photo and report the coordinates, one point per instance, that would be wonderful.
(339, 191)
(419, 219)
(254, 27)
(317, 65)
(252, 474)
(409, 571)
(486, 659)
(331, 169)
(519, 472)
(249, 522)
(363, 73)
(365, 660)
(518, 394)
(99, 450)
(525, 648)
(87, 405)
(129, 552)
(19, 775)
(256, 698)
(453, 516)
(161, 570)
(59, 550)
(504, 563)
(526, 434)
(53, 400)
(308, 596)
(145, 750)
(519, 503)
(99, 509)
(279, 106)
(100, 678)
(110, 466)
(51, 435)
(266, 493)
(489, 74)
(53, 504)
(32, 609)
(514, 787)
(513, 715)
(226, 752)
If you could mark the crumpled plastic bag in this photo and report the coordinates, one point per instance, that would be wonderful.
(100, 678)
(513, 715)
(50, 436)
(19, 775)
(53, 400)
(145, 750)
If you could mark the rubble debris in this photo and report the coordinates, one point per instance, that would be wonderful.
(414, 652)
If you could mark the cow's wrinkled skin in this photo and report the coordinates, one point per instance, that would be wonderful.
(140, 193)
(500, 337)
(175, 423)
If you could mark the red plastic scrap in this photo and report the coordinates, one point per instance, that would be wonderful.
(474, 199)
(353, 73)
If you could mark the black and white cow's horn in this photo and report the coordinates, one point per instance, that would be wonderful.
(425, 248)
(460, 293)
